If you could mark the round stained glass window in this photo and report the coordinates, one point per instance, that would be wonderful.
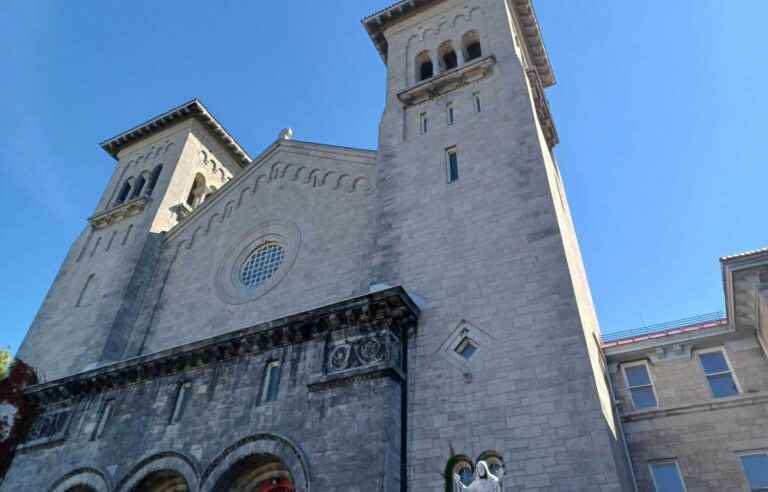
(262, 264)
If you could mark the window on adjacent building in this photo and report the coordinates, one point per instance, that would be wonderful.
(719, 374)
(640, 386)
(667, 477)
(271, 382)
(452, 164)
(755, 466)
(476, 102)
(449, 113)
(423, 123)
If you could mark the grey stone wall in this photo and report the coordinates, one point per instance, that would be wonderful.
(488, 249)
(334, 425)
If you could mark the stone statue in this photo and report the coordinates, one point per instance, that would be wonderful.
(482, 481)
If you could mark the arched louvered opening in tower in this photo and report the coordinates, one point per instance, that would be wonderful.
(447, 55)
(424, 67)
(197, 192)
(471, 45)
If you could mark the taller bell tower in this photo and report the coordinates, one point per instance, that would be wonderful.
(165, 168)
(472, 216)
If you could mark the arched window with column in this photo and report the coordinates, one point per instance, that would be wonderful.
(197, 192)
(124, 191)
(471, 47)
(153, 179)
(424, 67)
(447, 56)
(138, 186)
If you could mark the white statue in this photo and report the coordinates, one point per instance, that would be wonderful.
(482, 481)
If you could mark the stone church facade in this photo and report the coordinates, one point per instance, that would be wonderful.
(326, 318)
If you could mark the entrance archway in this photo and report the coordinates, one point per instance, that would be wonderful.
(256, 473)
(162, 481)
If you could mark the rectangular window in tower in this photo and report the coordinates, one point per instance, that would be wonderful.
(449, 113)
(476, 102)
(640, 386)
(271, 382)
(452, 164)
(755, 466)
(719, 374)
(423, 123)
(182, 390)
(666, 477)
(106, 412)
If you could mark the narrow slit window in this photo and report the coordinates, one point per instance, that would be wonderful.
(181, 399)
(271, 382)
(719, 374)
(95, 247)
(755, 466)
(449, 113)
(667, 477)
(423, 123)
(127, 235)
(106, 412)
(640, 386)
(452, 164)
(476, 102)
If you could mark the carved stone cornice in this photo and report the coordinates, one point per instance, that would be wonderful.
(542, 109)
(378, 22)
(448, 81)
(391, 309)
(122, 211)
(190, 109)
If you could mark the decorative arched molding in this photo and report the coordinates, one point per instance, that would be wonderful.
(170, 461)
(245, 191)
(86, 477)
(259, 444)
(360, 184)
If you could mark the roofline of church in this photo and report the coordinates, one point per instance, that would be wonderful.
(376, 23)
(190, 109)
(367, 154)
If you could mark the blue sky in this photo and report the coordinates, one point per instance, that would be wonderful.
(659, 106)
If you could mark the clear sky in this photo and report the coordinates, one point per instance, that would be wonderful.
(660, 106)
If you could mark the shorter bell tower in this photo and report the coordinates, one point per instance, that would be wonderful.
(166, 168)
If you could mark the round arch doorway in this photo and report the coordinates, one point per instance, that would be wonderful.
(256, 473)
(162, 481)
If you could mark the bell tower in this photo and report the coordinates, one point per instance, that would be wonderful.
(166, 167)
(472, 216)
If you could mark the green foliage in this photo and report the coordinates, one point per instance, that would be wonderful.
(5, 362)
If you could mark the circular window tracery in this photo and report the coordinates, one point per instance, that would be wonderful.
(257, 261)
(262, 264)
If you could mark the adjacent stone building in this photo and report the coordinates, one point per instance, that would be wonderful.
(326, 318)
